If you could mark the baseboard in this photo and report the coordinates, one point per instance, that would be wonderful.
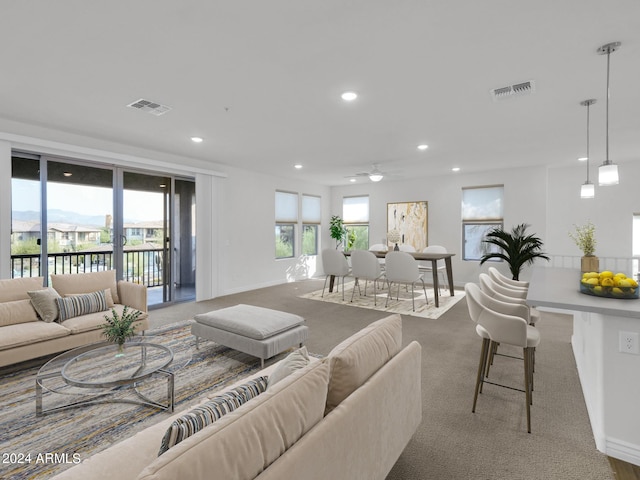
(622, 450)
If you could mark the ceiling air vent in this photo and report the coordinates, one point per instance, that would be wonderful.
(516, 90)
(150, 107)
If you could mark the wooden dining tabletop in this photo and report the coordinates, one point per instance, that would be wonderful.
(431, 257)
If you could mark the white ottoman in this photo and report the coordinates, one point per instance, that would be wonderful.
(258, 331)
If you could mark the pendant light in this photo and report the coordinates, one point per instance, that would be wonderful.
(588, 189)
(608, 171)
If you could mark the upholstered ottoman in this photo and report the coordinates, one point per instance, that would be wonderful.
(258, 331)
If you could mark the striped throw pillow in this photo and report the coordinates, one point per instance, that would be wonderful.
(207, 413)
(77, 305)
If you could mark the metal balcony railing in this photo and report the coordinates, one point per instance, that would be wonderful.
(144, 266)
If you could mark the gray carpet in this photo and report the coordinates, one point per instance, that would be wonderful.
(452, 442)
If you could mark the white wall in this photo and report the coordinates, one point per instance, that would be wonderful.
(525, 202)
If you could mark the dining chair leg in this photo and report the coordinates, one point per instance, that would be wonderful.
(389, 294)
(527, 386)
(480, 376)
(492, 353)
(413, 298)
(325, 285)
(375, 295)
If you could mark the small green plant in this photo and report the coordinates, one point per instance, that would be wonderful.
(337, 230)
(585, 238)
(119, 328)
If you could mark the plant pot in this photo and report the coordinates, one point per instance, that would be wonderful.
(589, 263)
(120, 352)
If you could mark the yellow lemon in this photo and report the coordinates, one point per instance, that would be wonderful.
(621, 275)
(606, 274)
(617, 292)
(592, 281)
(624, 283)
(590, 275)
(607, 282)
(632, 282)
(597, 290)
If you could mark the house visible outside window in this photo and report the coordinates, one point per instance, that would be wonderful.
(355, 216)
(286, 220)
(311, 218)
(482, 210)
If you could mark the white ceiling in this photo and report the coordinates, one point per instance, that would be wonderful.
(260, 81)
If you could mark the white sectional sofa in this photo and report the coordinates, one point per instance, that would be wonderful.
(27, 332)
(347, 416)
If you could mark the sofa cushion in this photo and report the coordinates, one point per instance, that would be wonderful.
(86, 283)
(17, 288)
(17, 311)
(358, 357)
(77, 305)
(44, 301)
(246, 441)
(294, 361)
(93, 321)
(210, 411)
(29, 333)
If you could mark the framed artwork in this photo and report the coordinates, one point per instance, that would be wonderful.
(411, 220)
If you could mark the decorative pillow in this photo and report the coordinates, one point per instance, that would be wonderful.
(77, 305)
(44, 301)
(17, 311)
(294, 361)
(210, 411)
(107, 295)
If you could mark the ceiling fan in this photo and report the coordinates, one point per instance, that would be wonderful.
(375, 175)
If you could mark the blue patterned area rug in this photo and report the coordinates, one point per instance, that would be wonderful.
(40, 447)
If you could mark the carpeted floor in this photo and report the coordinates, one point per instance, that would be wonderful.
(451, 442)
(401, 300)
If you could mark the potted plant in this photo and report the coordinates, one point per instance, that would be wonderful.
(585, 239)
(337, 230)
(516, 248)
(119, 328)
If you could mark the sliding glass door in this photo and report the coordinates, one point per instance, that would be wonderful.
(72, 217)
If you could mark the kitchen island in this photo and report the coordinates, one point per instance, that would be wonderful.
(610, 378)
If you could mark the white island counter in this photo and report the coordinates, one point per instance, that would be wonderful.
(610, 379)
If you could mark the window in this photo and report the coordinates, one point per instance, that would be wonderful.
(482, 210)
(355, 216)
(635, 249)
(311, 217)
(286, 219)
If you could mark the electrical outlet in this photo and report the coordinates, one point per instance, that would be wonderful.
(629, 342)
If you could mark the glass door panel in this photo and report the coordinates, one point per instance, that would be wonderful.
(184, 251)
(25, 217)
(146, 227)
(79, 218)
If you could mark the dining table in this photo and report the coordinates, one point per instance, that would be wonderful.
(423, 257)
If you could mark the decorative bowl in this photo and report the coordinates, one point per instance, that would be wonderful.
(609, 292)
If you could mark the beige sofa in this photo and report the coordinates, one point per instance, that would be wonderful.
(26, 333)
(347, 416)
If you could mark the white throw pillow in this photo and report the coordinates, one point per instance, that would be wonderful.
(294, 361)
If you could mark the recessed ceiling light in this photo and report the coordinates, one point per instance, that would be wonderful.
(197, 139)
(423, 147)
(352, 180)
(349, 96)
(67, 174)
(298, 166)
(455, 169)
(583, 159)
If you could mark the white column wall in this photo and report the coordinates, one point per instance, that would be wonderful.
(5, 210)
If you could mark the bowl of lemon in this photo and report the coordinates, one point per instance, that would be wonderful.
(609, 285)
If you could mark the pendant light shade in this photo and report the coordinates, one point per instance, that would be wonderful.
(608, 171)
(588, 189)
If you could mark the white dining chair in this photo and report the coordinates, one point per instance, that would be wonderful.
(440, 269)
(334, 263)
(365, 266)
(402, 268)
(500, 322)
(405, 247)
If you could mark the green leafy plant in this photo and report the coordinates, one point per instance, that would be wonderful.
(516, 248)
(585, 238)
(337, 230)
(119, 328)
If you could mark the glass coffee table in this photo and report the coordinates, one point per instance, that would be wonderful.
(99, 373)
